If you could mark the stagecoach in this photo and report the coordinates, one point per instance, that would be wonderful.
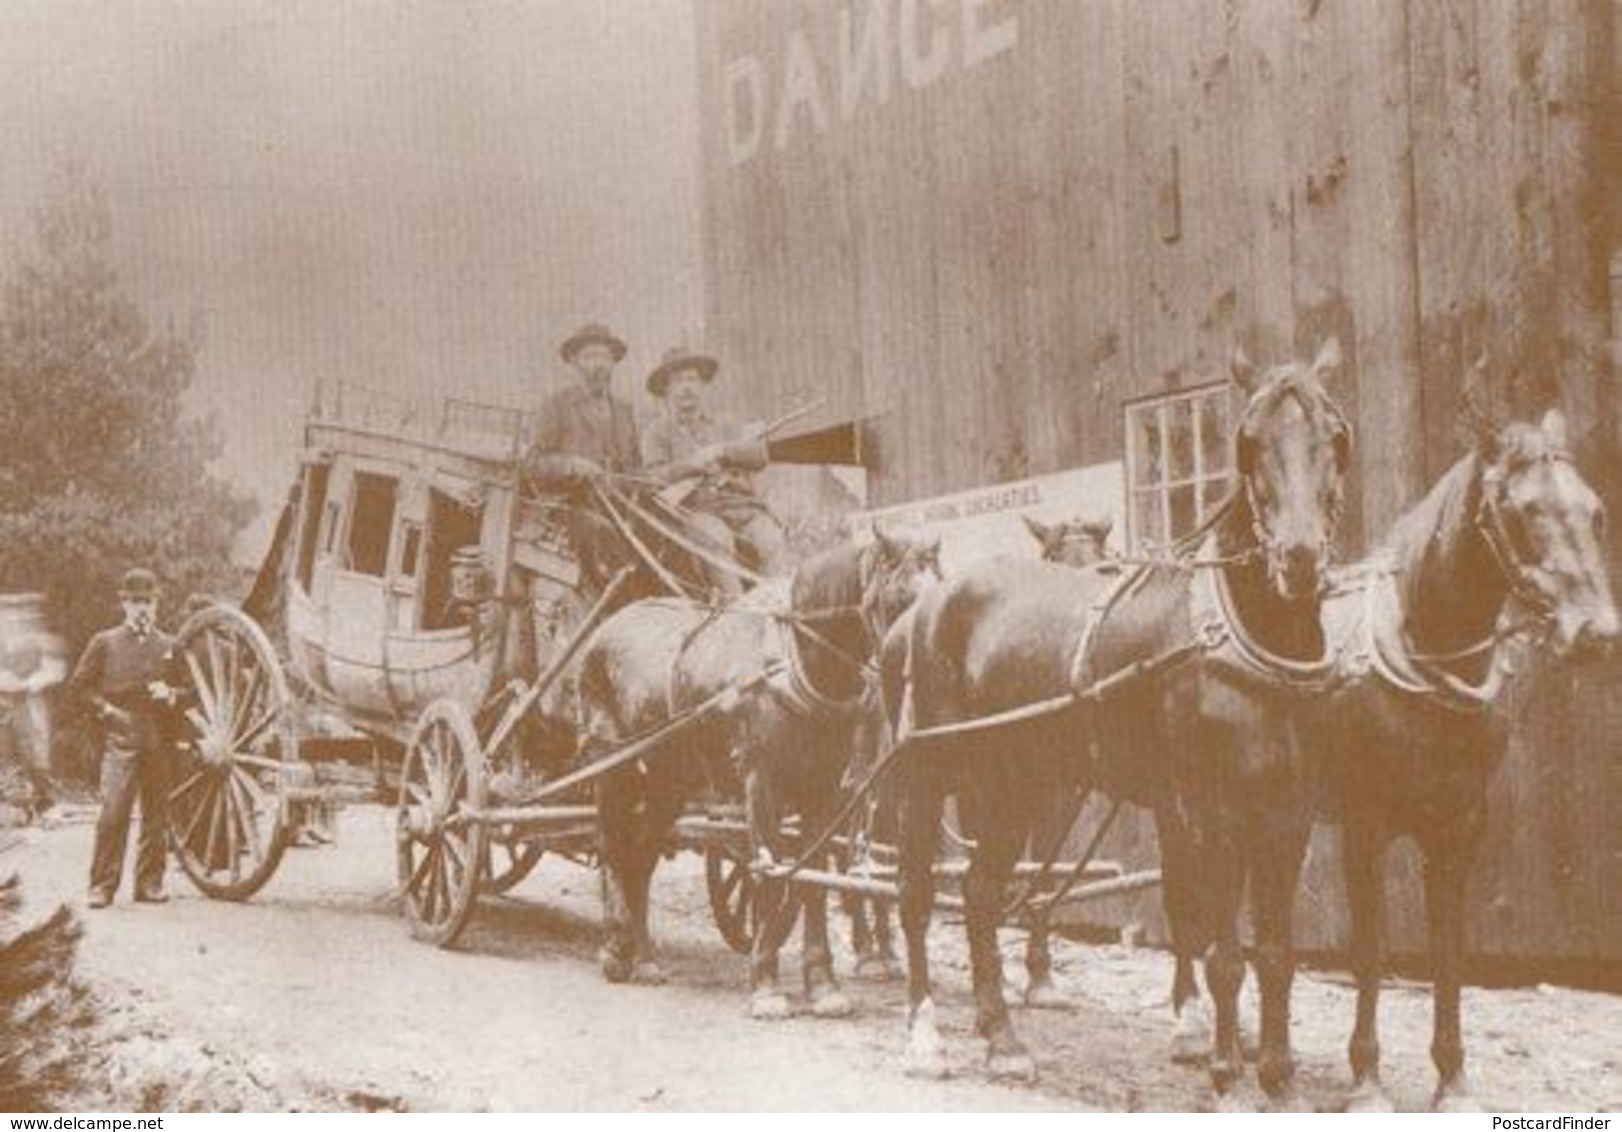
(401, 643)
(407, 642)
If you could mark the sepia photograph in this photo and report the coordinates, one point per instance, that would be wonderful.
(726, 556)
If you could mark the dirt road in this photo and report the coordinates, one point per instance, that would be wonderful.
(314, 995)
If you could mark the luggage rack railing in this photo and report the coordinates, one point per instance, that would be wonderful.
(449, 421)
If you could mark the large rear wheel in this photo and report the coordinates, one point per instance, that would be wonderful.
(238, 750)
(441, 844)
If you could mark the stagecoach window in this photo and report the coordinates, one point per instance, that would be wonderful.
(1177, 458)
(371, 523)
(452, 524)
(315, 508)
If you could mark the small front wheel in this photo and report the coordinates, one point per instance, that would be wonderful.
(441, 837)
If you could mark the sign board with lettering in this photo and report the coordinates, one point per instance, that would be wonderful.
(986, 522)
(876, 46)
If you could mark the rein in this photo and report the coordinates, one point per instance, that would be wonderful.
(1489, 520)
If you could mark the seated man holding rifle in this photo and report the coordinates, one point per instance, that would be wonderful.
(708, 462)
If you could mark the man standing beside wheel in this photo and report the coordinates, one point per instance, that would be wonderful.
(121, 679)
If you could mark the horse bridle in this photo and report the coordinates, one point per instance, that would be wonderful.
(1258, 529)
(1520, 576)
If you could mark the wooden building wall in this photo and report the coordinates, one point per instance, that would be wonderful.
(982, 225)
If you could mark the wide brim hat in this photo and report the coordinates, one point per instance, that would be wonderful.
(138, 583)
(676, 360)
(592, 333)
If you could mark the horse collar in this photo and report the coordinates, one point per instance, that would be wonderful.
(1227, 643)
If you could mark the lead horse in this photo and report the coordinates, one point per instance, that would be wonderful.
(787, 682)
(1510, 531)
(1210, 651)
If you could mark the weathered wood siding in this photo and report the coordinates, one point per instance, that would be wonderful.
(985, 224)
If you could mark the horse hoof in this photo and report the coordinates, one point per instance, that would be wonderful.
(768, 1006)
(1045, 996)
(1369, 1097)
(1288, 1099)
(925, 1064)
(831, 1003)
(648, 973)
(874, 969)
(1190, 1038)
(616, 967)
(1249, 1048)
(1017, 1067)
(1455, 1100)
(1233, 1100)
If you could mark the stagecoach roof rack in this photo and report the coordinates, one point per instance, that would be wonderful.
(478, 429)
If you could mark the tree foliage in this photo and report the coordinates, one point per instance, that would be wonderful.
(101, 466)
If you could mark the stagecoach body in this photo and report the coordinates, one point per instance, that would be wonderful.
(399, 569)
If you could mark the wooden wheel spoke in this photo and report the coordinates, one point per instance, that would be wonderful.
(259, 761)
(215, 826)
(456, 849)
(248, 706)
(186, 787)
(233, 830)
(199, 813)
(243, 740)
(200, 681)
(250, 815)
(419, 874)
(216, 668)
(436, 885)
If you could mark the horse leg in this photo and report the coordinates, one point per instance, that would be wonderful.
(1191, 1030)
(1040, 991)
(920, 818)
(821, 988)
(1446, 860)
(767, 1002)
(1224, 882)
(1362, 861)
(616, 835)
(1277, 843)
(660, 804)
(1000, 839)
(863, 934)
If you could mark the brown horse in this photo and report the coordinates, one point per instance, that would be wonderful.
(1076, 542)
(787, 736)
(1413, 742)
(1208, 652)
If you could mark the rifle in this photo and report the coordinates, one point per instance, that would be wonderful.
(675, 494)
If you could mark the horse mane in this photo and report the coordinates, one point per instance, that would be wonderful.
(829, 580)
(1431, 530)
(1434, 525)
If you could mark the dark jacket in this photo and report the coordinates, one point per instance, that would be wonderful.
(113, 673)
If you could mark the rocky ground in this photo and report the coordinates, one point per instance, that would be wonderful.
(314, 996)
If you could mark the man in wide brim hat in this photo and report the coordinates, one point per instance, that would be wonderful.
(679, 359)
(593, 333)
(710, 460)
(583, 430)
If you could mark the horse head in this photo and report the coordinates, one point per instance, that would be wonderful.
(1072, 542)
(1545, 526)
(1292, 454)
(898, 568)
